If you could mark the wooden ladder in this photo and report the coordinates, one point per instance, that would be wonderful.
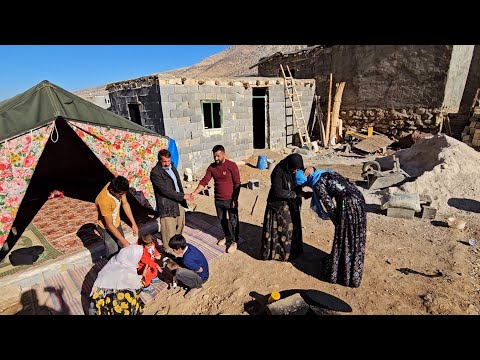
(297, 111)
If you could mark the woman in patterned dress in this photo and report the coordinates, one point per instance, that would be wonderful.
(349, 217)
(282, 225)
(117, 287)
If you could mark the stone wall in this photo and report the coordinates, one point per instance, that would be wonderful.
(390, 86)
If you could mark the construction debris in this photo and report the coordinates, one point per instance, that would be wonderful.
(374, 143)
(377, 179)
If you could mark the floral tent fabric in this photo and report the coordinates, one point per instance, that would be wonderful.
(124, 153)
(18, 158)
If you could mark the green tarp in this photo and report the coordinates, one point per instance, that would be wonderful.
(45, 102)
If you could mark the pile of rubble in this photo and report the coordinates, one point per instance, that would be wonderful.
(444, 168)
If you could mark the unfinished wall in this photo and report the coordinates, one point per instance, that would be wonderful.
(472, 83)
(399, 87)
(457, 76)
(144, 92)
(280, 112)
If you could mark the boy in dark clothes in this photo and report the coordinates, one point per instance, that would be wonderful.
(195, 272)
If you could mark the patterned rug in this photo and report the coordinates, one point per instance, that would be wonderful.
(67, 292)
(30, 237)
(67, 224)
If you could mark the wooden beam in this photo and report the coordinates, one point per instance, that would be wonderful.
(327, 128)
(336, 110)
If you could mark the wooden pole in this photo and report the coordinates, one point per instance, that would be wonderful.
(327, 127)
(319, 115)
(336, 110)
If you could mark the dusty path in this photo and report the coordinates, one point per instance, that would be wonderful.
(443, 277)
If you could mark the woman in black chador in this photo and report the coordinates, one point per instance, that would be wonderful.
(348, 215)
(282, 225)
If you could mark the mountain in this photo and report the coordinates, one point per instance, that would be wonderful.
(231, 62)
(234, 61)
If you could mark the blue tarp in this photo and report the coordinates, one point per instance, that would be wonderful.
(172, 147)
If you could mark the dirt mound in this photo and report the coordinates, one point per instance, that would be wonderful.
(446, 169)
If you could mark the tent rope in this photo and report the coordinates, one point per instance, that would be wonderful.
(54, 129)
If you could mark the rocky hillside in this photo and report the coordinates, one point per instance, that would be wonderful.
(234, 61)
(231, 62)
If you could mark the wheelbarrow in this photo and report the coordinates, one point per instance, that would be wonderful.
(378, 179)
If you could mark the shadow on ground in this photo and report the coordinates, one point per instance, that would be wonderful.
(249, 232)
(31, 306)
(439, 223)
(312, 262)
(87, 284)
(465, 204)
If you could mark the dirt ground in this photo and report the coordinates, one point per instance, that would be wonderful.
(412, 266)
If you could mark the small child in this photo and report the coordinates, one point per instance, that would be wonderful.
(147, 265)
(195, 272)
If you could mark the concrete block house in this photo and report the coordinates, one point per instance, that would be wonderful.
(242, 114)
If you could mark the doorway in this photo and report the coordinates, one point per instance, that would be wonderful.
(260, 118)
(134, 112)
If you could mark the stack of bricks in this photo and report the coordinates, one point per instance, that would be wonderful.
(471, 133)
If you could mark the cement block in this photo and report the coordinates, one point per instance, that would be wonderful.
(401, 213)
(429, 212)
(253, 184)
(166, 90)
(200, 95)
(175, 98)
(180, 89)
(188, 97)
(183, 121)
(176, 113)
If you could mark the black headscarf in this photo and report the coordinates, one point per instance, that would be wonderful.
(294, 161)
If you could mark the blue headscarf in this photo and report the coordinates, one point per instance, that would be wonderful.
(310, 181)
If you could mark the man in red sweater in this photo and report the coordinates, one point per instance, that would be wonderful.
(226, 178)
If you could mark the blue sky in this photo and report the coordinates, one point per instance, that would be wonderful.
(76, 67)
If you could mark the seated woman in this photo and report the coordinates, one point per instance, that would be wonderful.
(348, 215)
(117, 287)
